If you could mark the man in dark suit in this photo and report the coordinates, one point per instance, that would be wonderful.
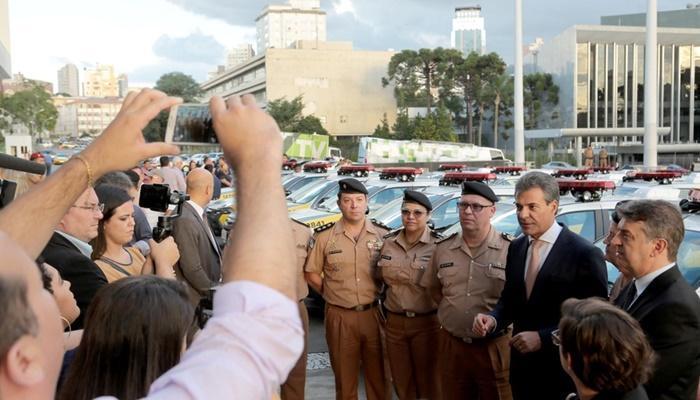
(69, 252)
(649, 235)
(545, 266)
(200, 257)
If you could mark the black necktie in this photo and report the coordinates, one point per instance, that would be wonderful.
(631, 294)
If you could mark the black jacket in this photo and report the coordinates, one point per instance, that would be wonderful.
(637, 394)
(85, 277)
(669, 312)
(573, 268)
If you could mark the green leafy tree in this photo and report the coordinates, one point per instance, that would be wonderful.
(289, 117)
(403, 127)
(383, 130)
(539, 93)
(31, 107)
(418, 75)
(172, 84)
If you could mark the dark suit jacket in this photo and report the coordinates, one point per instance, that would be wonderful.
(637, 393)
(669, 312)
(84, 276)
(573, 268)
(199, 265)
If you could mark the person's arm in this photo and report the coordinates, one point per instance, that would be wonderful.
(314, 265)
(118, 148)
(163, 257)
(503, 311)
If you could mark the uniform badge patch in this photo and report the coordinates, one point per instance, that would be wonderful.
(445, 265)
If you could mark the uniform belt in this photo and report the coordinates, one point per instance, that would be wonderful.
(361, 307)
(411, 314)
(471, 340)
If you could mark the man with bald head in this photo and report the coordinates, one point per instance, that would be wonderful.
(69, 252)
(200, 257)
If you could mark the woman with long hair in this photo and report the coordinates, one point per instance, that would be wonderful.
(135, 331)
(110, 249)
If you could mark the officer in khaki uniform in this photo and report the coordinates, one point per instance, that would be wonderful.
(588, 157)
(603, 158)
(347, 253)
(293, 388)
(411, 326)
(465, 277)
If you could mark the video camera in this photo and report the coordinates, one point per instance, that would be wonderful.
(689, 206)
(159, 197)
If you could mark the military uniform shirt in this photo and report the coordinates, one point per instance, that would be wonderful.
(302, 243)
(347, 265)
(469, 283)
(401, 267)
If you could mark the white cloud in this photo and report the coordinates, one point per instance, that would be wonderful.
(426, 39)
(344, 6)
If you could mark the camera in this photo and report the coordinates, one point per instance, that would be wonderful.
(205, 308)
(159, 197)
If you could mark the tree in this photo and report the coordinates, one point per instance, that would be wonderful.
(31, 107)
(382, 130)
(403, 127)
(500, 93)
(418, 75)
(172, 84)
(289, 117)
(539, 92)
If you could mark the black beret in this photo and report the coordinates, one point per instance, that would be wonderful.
(351, 185)
(479, 189)
(417, 197)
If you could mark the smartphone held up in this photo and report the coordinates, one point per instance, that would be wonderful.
(190, 124)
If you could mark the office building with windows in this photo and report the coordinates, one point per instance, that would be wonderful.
(600, 73)
(278, 26)
(468, 33)
(68, 81)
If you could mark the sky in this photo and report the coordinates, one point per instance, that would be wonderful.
(148, 38)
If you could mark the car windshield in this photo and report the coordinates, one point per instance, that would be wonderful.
(310, 191)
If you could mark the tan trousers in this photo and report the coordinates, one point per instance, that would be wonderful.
(353, 339)
(603, 162)
(411, 345)
(293, 388)
(477, 370)
(588, 163)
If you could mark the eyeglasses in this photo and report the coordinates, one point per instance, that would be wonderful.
(416, 213)
(555, 338)
(476, 207)
(100, 207)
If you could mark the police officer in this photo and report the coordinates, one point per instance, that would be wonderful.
(411, 326)
(588, 157)
(603, 158)
(347, 253)
(465, 277)
(293, 388)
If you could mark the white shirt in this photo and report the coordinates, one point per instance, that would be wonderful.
(199, 210)
(642, 283)
(245, 351)
(84, 247)
(549, 237)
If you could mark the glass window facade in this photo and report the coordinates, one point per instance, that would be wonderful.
(610, 88)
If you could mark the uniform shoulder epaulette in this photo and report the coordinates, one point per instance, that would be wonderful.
(507, 236)
(436, 235)
(444, 239)
(324, 227)
(381, 225)
(393, 233)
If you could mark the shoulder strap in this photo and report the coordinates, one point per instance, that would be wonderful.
(115, 266)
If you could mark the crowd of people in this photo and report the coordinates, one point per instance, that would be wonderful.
(94, 306)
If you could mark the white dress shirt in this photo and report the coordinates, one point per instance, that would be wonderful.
(245, 351)
(549, 237)
(642, 283)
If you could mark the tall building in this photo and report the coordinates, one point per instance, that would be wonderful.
(688, 17)
(239, 55)
(68, 81)
(600, 73)
(278, 26)
(338, 84)
(468, 33)
(123, 85)
(100, 82)
(5, 70)
(84, 115)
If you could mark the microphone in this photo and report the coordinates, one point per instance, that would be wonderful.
(18, 164)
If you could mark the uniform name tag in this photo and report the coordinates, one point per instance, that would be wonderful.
(386, 257)
(445, 265)
(336, 251)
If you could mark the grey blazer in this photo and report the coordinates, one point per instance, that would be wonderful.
(200, 263)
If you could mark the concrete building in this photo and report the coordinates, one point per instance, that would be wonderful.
(339, 85)
(68, 80)
(19, 82)
(468, 33)
(685, 18)
(5, 64)
(84, 115)
(278, 26)
(123, 85)
(600, 73)
(101, 82)
(239, 54)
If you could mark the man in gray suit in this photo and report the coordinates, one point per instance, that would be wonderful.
(200, 257)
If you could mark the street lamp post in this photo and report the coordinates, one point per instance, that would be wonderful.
(519, 124)
(650, 91)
